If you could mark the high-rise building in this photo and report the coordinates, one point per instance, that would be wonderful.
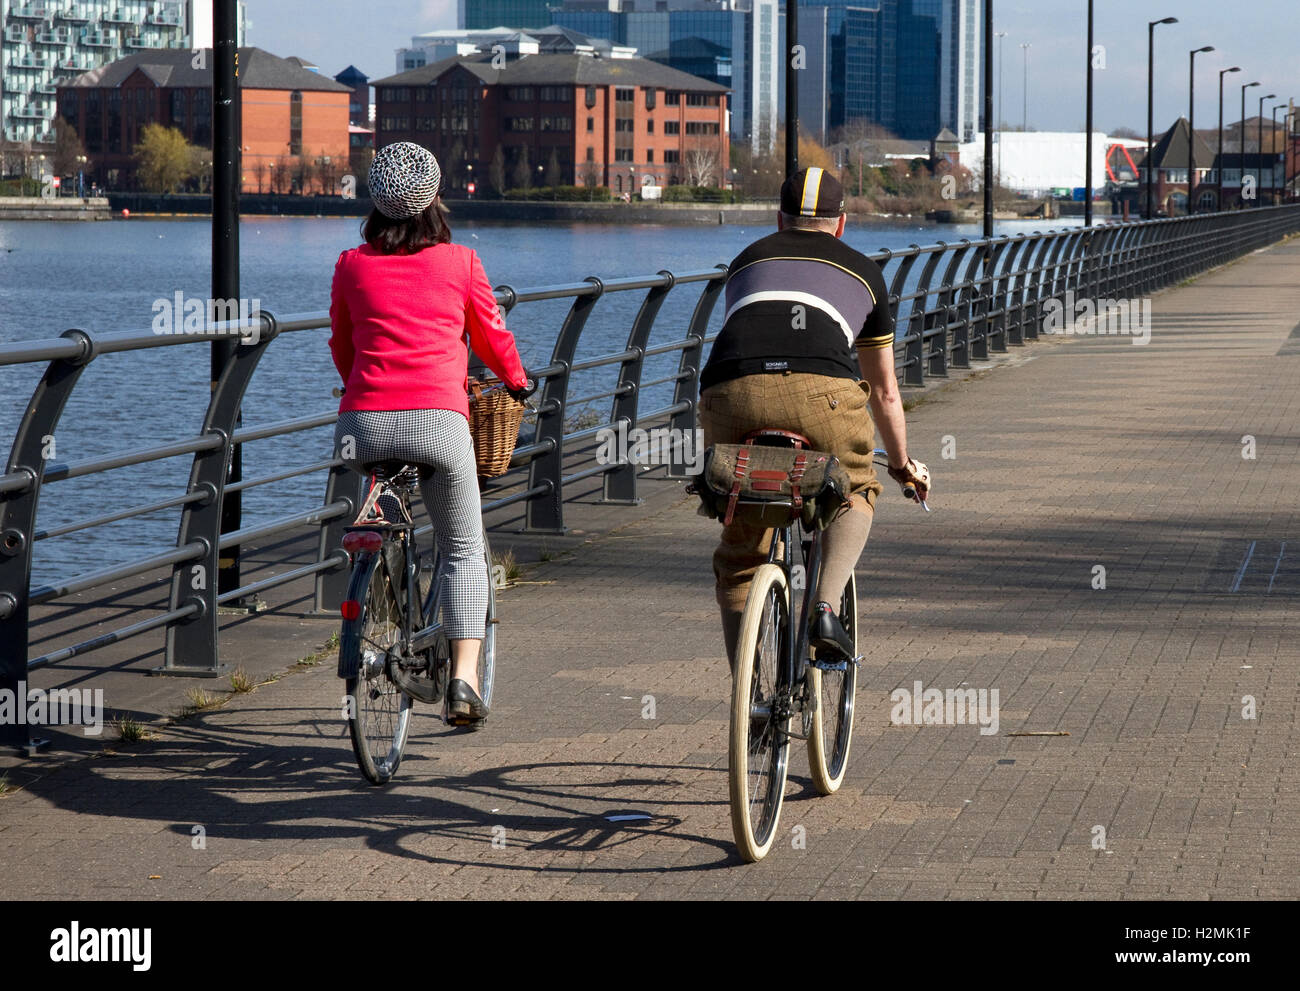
(48, 43)
(911, 66)
(479, 14)
(962, 46)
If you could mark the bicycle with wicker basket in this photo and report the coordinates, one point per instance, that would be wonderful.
(393, 649)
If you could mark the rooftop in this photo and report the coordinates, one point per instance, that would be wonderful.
(258, 69)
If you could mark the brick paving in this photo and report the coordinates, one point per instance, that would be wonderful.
(1078, 453)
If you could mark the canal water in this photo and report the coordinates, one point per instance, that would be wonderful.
(107, 276)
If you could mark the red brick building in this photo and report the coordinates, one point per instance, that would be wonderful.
(559, 120)
(294, 127)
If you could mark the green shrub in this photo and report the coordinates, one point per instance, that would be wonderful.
(563, 194)
(698, 194)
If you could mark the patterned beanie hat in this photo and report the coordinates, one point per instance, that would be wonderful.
(404, 180)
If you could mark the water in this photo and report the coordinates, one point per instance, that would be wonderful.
(106, 276)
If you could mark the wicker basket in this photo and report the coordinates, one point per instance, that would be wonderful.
(494, 421)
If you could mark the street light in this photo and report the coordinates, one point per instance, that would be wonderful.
(1001, 65)
(1259, 146)
(1272, 144)
(1151, 54)
(1241, 179)
(1087, 138)
(1024, 126)
(1219, 166)
(1191, 128)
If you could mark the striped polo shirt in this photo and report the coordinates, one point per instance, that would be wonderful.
(800, 301)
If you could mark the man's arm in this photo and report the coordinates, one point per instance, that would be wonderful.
(877, 365)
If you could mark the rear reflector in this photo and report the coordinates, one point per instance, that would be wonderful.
(350, 609)
(362, 540)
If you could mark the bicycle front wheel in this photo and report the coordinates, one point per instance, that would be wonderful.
(379, 713)
(759, 744)
(832, 724)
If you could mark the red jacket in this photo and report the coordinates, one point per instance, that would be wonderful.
(400, 324)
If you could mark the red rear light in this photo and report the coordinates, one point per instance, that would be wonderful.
(350, 609)
(362, 540)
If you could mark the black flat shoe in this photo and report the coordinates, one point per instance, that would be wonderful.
(463, 704)
(827, 634)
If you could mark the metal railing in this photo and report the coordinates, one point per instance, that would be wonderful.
(952, 303)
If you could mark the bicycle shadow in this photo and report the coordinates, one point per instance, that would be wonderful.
(271, 784)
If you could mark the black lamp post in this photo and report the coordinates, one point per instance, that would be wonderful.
(1219, 165)
(1191, 128)
(988, 119)
(1259, 147)
(1272, 143)
(1087, 137)
(1241, 180)
(1151, 77)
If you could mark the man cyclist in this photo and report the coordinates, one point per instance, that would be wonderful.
(806, 345)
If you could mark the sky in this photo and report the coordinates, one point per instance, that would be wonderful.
(1258, 35)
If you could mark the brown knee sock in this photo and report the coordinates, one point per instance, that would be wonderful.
(842, 545)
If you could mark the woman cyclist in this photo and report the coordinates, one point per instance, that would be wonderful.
(402, 307)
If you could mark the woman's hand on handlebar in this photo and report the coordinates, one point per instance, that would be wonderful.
(523, 392)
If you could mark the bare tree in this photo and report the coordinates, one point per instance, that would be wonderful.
(281, 174)
(702, 164)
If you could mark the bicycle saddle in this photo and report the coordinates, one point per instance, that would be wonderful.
(387, 469)
(771, 437)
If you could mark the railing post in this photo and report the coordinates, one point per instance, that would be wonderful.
(545, 513)
(688, 370)
(34, 445)
(192, 649)
(620, 480)
(919, 321)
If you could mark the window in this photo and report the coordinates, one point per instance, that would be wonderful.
(701, 127)
(650, 155)
(672, 156)
(701, 99)
(178, 109)
(386, 124)
(424, 123)
(203, 117)
(623, 94)
(591, 97)
(591, 154)
(519, 123)
(650, 97)
(295, 122)
(672, 127)
(650, 126)
(623, 124)
(591, 124)
(397, 94)
(672, 98)
(554, 94)
(622, 154)
(422, 94)
(519, 94)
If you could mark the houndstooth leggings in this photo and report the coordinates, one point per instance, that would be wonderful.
(438, 441)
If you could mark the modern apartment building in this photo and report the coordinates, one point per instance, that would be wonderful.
(734, 43)
(289, 115)
(479, 14)
(567, 119)
(44, 43)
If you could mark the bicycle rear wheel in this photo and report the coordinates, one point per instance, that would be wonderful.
(832, 723)
(379, 714)
(759, 746)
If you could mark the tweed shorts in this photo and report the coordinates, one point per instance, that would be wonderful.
(831, 412)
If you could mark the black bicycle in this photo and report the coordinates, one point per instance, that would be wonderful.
(776, 678)
(393, 650)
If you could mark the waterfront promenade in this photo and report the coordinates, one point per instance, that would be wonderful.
(1071, 454)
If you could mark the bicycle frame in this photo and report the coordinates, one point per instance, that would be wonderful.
(795, 662)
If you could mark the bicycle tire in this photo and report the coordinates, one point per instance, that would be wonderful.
(832, 722)
(378, 712)
(759, 744)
